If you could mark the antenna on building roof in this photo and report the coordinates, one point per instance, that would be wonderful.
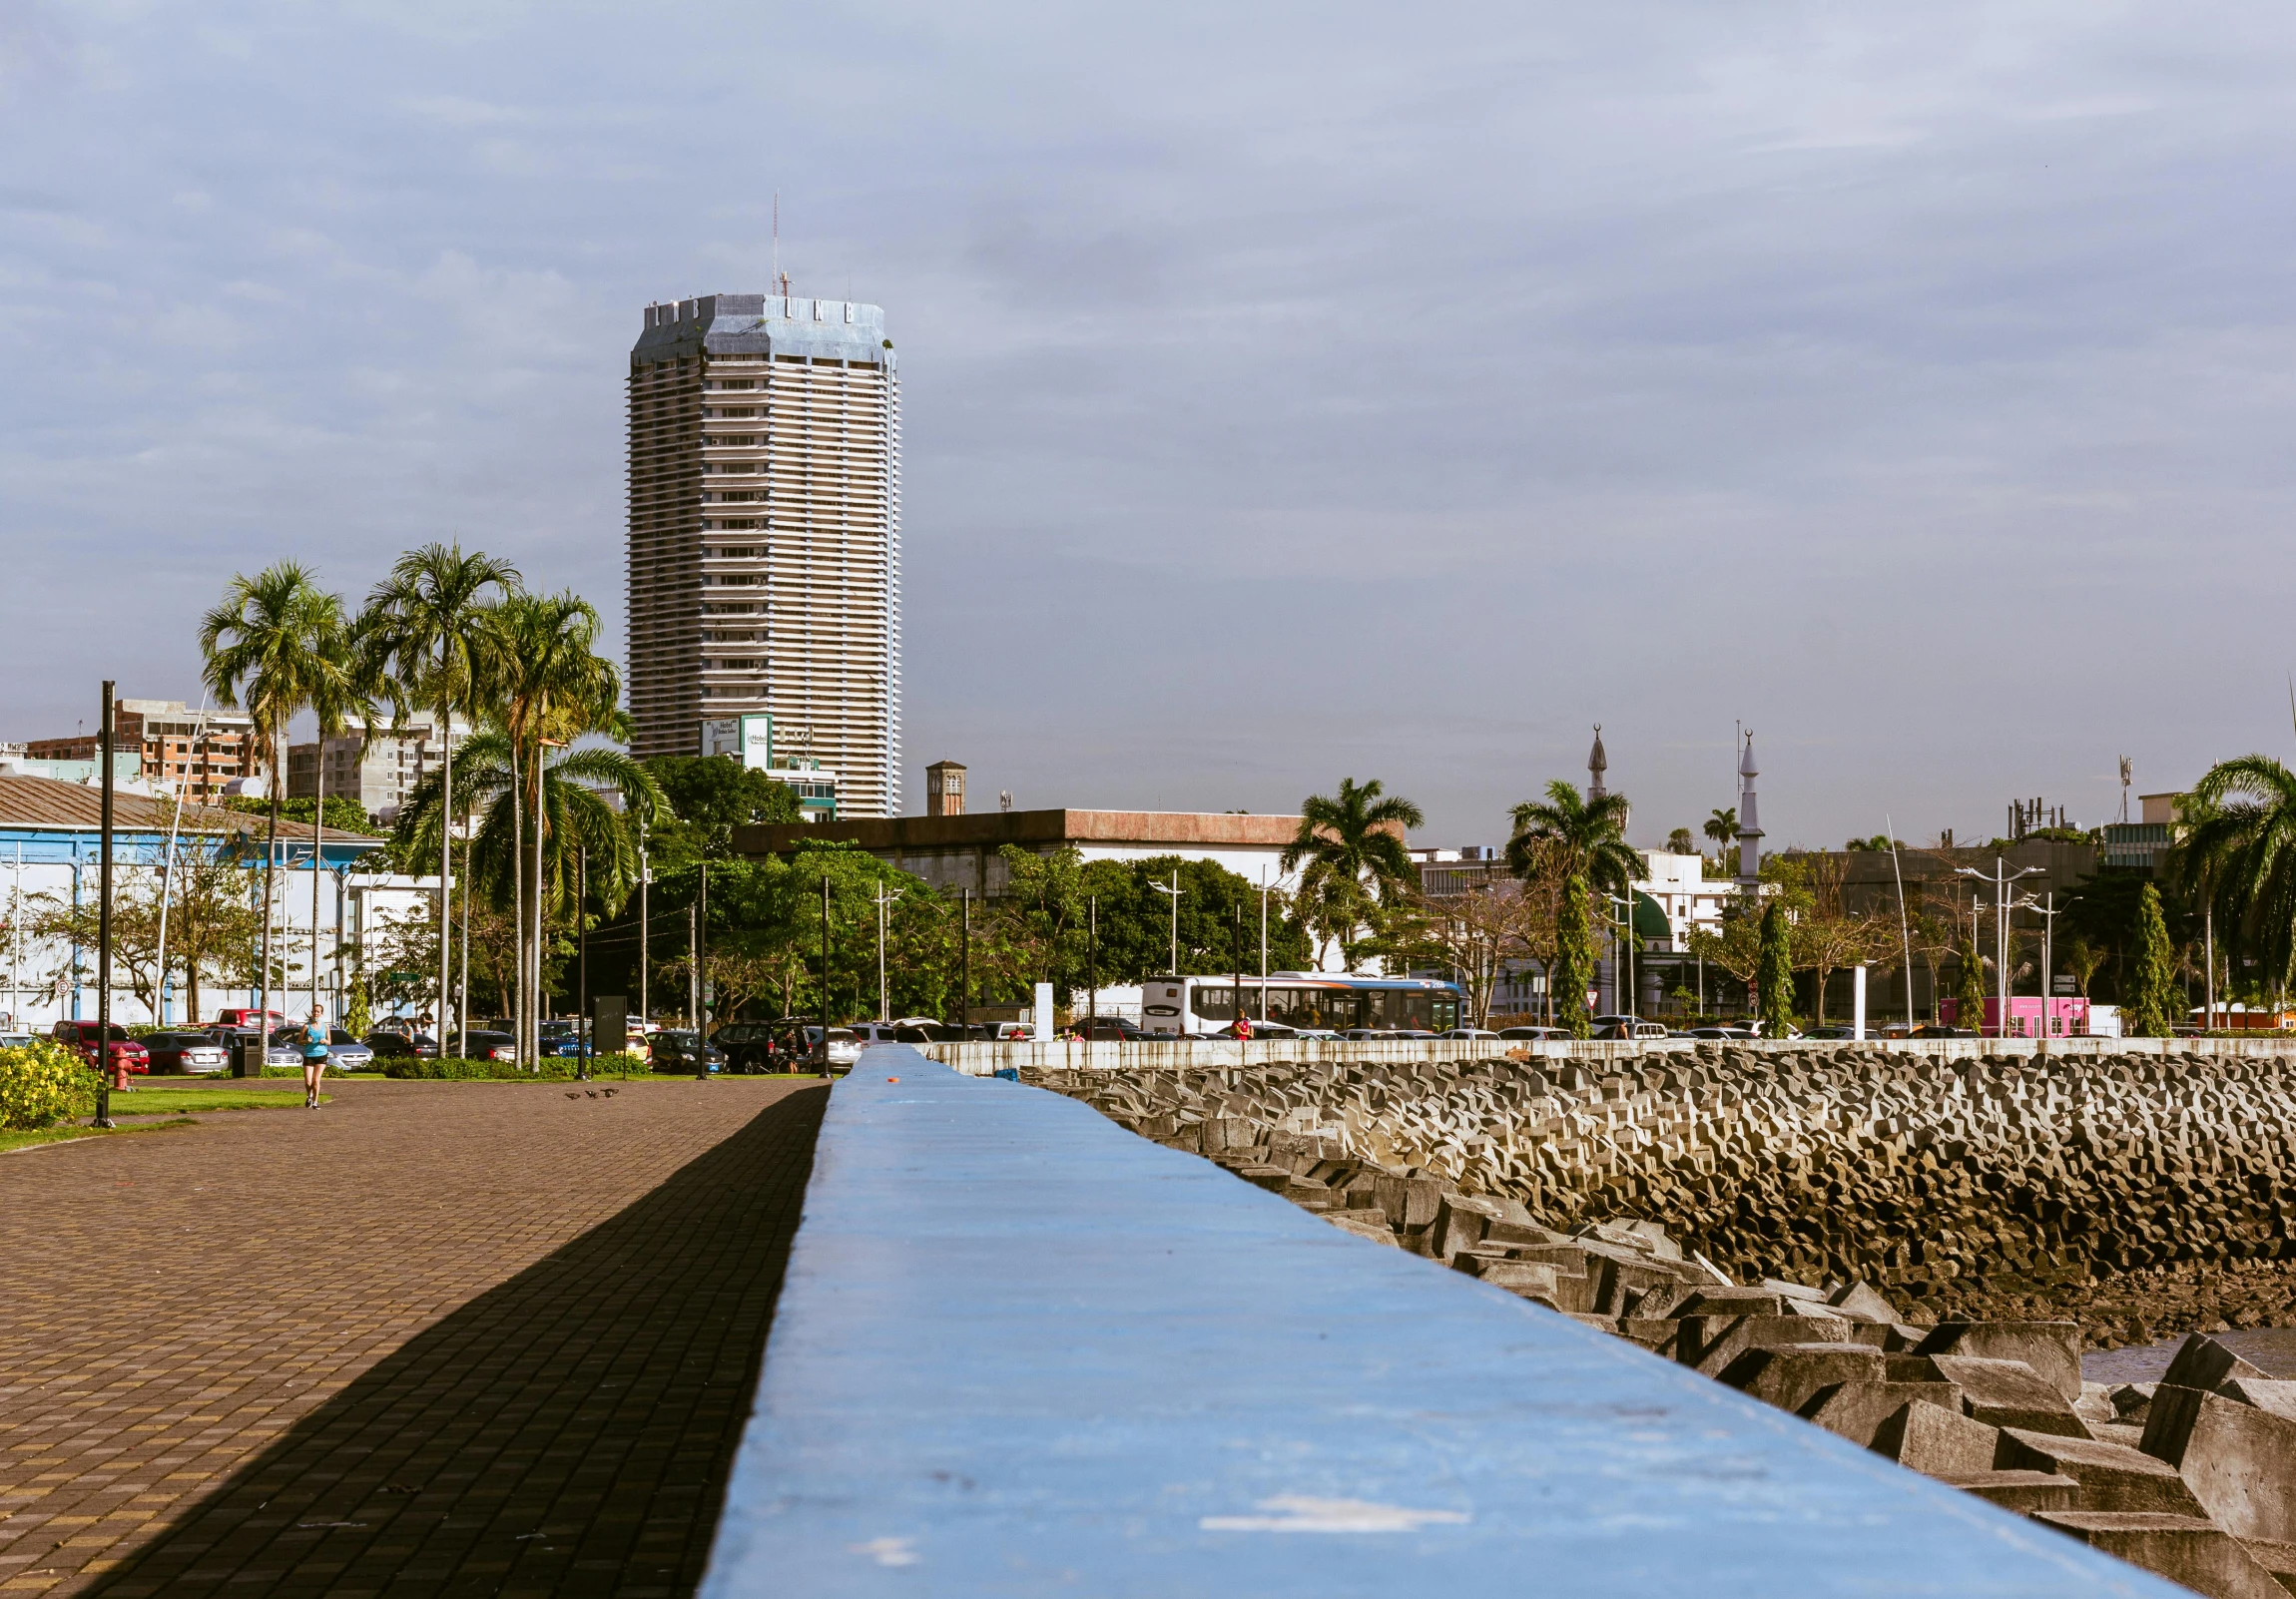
(776, 236)
(2124, 770)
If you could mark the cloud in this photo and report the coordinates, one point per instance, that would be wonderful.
(1309, 395)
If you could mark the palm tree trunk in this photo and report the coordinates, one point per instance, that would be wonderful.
(445, 864)
(270, 886)
(518, 899)
(534, 1004)
(318, 816)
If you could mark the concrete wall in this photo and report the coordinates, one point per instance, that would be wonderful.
(981, 1060)
(1021, 1351)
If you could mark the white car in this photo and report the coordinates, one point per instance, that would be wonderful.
(1470, 1032)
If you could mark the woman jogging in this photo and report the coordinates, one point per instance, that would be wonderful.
(313, 1057)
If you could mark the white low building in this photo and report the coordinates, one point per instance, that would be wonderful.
(51, 865)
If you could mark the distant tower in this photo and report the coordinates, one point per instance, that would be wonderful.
(944, 788)
(1749, 824)
(1596, 764)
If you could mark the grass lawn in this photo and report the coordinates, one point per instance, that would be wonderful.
(156, 1101)
(12, 1141)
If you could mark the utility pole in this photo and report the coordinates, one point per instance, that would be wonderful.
(1174, 891)
(884, 1003)
(1905, 927)
(2208, 927)
(103, 1063)
(2001, 879)
(2047, 962)
(693, 972)
(645, 947)
(1092, 968)
(701, 984)
(1263, 944)
(824, 966)
(965, 963)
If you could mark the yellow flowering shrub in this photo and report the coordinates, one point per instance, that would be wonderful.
(41, 1083)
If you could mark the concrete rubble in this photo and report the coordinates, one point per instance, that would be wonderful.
(1811, 1229)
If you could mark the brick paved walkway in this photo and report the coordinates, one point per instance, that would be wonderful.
(433, 1338)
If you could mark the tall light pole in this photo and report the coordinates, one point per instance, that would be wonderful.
(103, 1062)
(884, 1007)
(2000, 879)
(1905, 925)
(645, 947)
(2049, 913)
(1175, 891)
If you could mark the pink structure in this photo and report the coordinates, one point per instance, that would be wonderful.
(2064, 1017)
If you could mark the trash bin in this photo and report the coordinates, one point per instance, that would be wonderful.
(245, 1062)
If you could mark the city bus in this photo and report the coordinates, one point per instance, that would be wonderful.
(1174, 1007)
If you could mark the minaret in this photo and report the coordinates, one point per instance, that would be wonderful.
(1596, 764)
(1749, 824)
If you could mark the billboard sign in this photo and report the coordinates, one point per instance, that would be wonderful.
(749, 739)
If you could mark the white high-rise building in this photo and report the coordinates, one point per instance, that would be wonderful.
(765, 533)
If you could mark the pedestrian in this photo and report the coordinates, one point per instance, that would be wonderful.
(314, 1051)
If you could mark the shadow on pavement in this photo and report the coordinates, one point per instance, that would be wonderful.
(568, 1432)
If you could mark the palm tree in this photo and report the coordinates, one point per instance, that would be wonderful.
(1346, 841)
(275, 643)
(2238, 861)
(579, 821)
(555, 688)
(1589, 834)
(341, 698)
(425, 632)
(1722, 827)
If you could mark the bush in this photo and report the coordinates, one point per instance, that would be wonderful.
(41, 1083)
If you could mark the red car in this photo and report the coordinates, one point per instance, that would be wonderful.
(127, 1054)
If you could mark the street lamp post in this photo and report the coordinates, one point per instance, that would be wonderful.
(2001, 879)
(1092, 968)
(884, 1006)
(1174, 891)
(103, 1062)
(965, 963)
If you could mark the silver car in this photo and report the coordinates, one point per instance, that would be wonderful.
(347, 1053)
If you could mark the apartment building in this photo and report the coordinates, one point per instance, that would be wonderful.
(764, 532)
(379, 773)
(202, 751)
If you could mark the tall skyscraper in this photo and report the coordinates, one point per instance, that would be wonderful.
(765, 533)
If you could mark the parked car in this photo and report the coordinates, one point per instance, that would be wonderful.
(1118, 1029)
(1719, 1032)
(753, 1047)
(16, 1040)
(1832, 1030)
(246, 1020)
(347, 1052)
(874, 1032)
(1002, 1032)
(485, 1045)
(1386, 1034)
(925, 1030)
(285, 1046)
(1627, 1027)
(1532, 1034)
(1469, 1032)
(402, 1046)
(186, 1052)
(83, 1038)
(680, 1049)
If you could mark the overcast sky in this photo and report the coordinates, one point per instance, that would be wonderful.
(1289, 392)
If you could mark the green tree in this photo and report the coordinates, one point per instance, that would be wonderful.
(707, 798)
(1681, 842)
(1135, 922)
(2155, 981)
(1573, 958)
(554, 688)
(2239, 858)
(427, 638)
(341, 811)
(1775, 972)
(1588, 834)
(276, 645)
(1353, 847)
(1970, 986)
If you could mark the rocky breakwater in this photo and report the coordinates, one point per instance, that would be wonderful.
(2137, 1195)
(2193, 1478)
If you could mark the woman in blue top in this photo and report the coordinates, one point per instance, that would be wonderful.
(314, 1051)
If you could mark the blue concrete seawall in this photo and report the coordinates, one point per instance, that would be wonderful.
(1020, 1351)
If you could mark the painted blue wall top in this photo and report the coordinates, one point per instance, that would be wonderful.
(1020, 1351)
